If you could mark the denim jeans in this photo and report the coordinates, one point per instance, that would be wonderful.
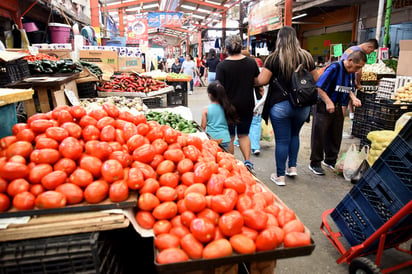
(287, 122)
(255, 132)
(211, 77)
(191, 84)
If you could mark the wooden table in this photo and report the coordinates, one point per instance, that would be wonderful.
(49, 91)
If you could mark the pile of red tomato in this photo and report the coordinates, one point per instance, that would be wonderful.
(199, 201)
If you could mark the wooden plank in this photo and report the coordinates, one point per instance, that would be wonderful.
(43, 99)
(266, 267)
(9, 96)
(30, 107)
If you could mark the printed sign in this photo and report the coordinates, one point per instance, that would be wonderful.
(137, 32)
(337, 50)
(371, 58)
(166, 19)
(264, 16)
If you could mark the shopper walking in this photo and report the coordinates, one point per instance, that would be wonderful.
(286, 120)
(336, 87)
(237, 74)
(189, 68)
(217, 115)
(176, 67)
(169, 63)
(211, 64)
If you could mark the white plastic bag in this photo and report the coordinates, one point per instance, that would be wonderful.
(353, 160)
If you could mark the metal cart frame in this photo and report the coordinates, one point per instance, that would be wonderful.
(353, 256)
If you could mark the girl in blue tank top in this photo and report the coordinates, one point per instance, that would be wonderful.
(217, 115)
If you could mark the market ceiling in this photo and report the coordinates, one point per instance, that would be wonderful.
(205, 13)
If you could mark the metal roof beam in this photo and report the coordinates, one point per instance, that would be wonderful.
(310, 5)
(128, 4)
(202, 3)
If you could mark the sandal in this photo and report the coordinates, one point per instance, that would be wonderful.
(277, 180)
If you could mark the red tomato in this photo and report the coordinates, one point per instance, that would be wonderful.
(150, 186)
(25, 135)
(4, 202)
(160, 146)
(192, 246)
(170, 135)
(145, 219)
(166, 193)
(22, 148)
(136, 141)
(272, 209)
(101, 150)
(267, 240)
(24, 201)
(235, 182)
(143, 129)
(203, 229)
(3, 185)
(187, 217)
(122, 157)
(147, 201)
(221, 204)
(169, 179)
(118, 191)
(209, 214)
(96, 192)
(171, 255)
(227, 164)
(181, 206)
(45, 142)
(108, 134)
(87, 120)
(5, 142)
(71, 148)
(10, 171)
(294, 226)
(188, 178)
(175, 155)
(54, 179)
(154, 133)
(91, 164)
(162, 226)
(144, 153)
(285, 215)
(195, 202)
(179, 231)
(57, 133)
(98, 113)
(272, 221)
(38, 116)
(40, 125)
(164, 211)
(194, 140)
(157, 159)
(242, 244)
(165, 167)
(203, 173)
(62, 116)
(259, 201)
(104, 122)
(50, 199)
(81, 177)
(147, 170)
(255, 219)
(217, 249)
(37, 189)
(129, 130)
(111, 109)
(18, 127)
(17, 159)
(180, 190)
(250, 233)
(127, 116)
(215, 184)
(135, 178)
(184, 166)
(65, 164)
(112, 171)
(90, 132)
(77, 112)
(231, 223)
(38, 172)
(17, 186)
(295, 239)
(244, 202)
(45, 156)
(176, 221)
(198, 188)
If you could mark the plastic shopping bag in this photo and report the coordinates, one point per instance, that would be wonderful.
(267, 132)
(353, 160)
(196, 82)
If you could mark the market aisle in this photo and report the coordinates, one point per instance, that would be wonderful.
(308, 195)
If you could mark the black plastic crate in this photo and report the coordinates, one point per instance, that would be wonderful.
(13, 71)
(406, 132)
(87, 90)
(154, 102)
(77, 253)
(177, 98)
(178, 85)
(384, 112)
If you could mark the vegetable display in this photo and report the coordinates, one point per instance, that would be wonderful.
(199, 201)
(95, 69)
(132, 83)
(403, 94)
(378, 68)
(44, 66)
(40, 56)
(178, 77)
(133, 105)
(173, 120)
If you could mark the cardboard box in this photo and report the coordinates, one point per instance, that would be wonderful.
(130, 64)
(100, 56)
(59, 53)
(405, 55)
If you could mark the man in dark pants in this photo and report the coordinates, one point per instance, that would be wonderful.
(335, 87)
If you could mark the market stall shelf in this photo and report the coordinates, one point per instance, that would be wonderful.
(81, 207)
(136, 94)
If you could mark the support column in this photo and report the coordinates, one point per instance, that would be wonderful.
(386, 39)
(288, 13)
(223, 29)
(199, 41)
(355, 10)
(94, 13)
(379, 20)
(121, 25)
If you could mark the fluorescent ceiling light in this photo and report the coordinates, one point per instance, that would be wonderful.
(212, 2)
(299, 16)
(198, 16)
(133, 9)
(151, 6)
(203, 10)
(188, 7)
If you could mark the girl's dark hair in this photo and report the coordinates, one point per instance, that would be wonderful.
(212, 53)
(218, 94)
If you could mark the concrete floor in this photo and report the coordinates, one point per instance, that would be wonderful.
(308, 195)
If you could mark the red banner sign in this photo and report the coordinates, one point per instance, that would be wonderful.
(264, 16)
(137, 30)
